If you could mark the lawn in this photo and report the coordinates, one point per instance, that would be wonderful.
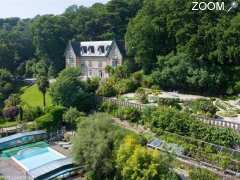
(33, 97)
(6, 124)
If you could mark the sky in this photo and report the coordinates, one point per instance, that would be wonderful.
(31, 8)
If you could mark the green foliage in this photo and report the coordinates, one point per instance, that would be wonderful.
(12, 100)
(169, 102)
(52, 120)
(6, 84)
(136, 162)
(16, 44)
(102, 21)
(50, 36)
(43, 85)
(32, 97)
(142, 95)
(124, 86)
(106, 88)
(130, 114)
(194, 50)
(202, 106)
(92, 84)
(31, 113)
(124, 113)
(172, 120)
(202, 174)
(70, 91)
(147, 81)
(71, 116)
(94, 145)
(108, 107)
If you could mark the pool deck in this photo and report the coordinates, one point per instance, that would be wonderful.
(65, 152)
(11, 171)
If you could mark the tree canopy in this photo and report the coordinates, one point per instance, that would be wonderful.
(187, 50)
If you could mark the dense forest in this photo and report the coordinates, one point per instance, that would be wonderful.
(179, 49)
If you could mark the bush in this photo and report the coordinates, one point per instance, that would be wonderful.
(70, 117)
(130, 114)
(202, 174)
(124, 86)
(52, 120)
(108, 107)
(137, 78)
(46, 122)
(147, 81)
(92, 84)
(142, 96)
(11, 112)
(106, 88)
(31, 113)
(170, 102)
(203, 106)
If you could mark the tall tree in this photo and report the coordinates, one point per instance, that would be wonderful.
(50, 37)
(43, 85)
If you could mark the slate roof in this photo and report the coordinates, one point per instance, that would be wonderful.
(78, 48)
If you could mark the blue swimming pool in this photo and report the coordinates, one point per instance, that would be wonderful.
(35, 157)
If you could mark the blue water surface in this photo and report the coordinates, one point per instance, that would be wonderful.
(36, 157)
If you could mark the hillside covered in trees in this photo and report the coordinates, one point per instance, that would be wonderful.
(179, 49)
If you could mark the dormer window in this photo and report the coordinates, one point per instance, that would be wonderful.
(84, 49)
(101, 49)
(91, 49)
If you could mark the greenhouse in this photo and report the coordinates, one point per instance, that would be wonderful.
(21, 139)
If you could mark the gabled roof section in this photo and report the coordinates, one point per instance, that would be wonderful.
(76, 48)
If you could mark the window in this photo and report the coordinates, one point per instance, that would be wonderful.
(101, 49)
(100, 74)
(90, 73)
(114, 63)
(91, 49)
(84, 49)
(100, 64)
(90, 64)
(82, 68)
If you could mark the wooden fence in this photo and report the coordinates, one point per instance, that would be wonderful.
(220, 123)
(211, 121)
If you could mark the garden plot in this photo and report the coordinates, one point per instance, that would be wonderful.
(181, 97)
(154, 95)
(228, 110)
